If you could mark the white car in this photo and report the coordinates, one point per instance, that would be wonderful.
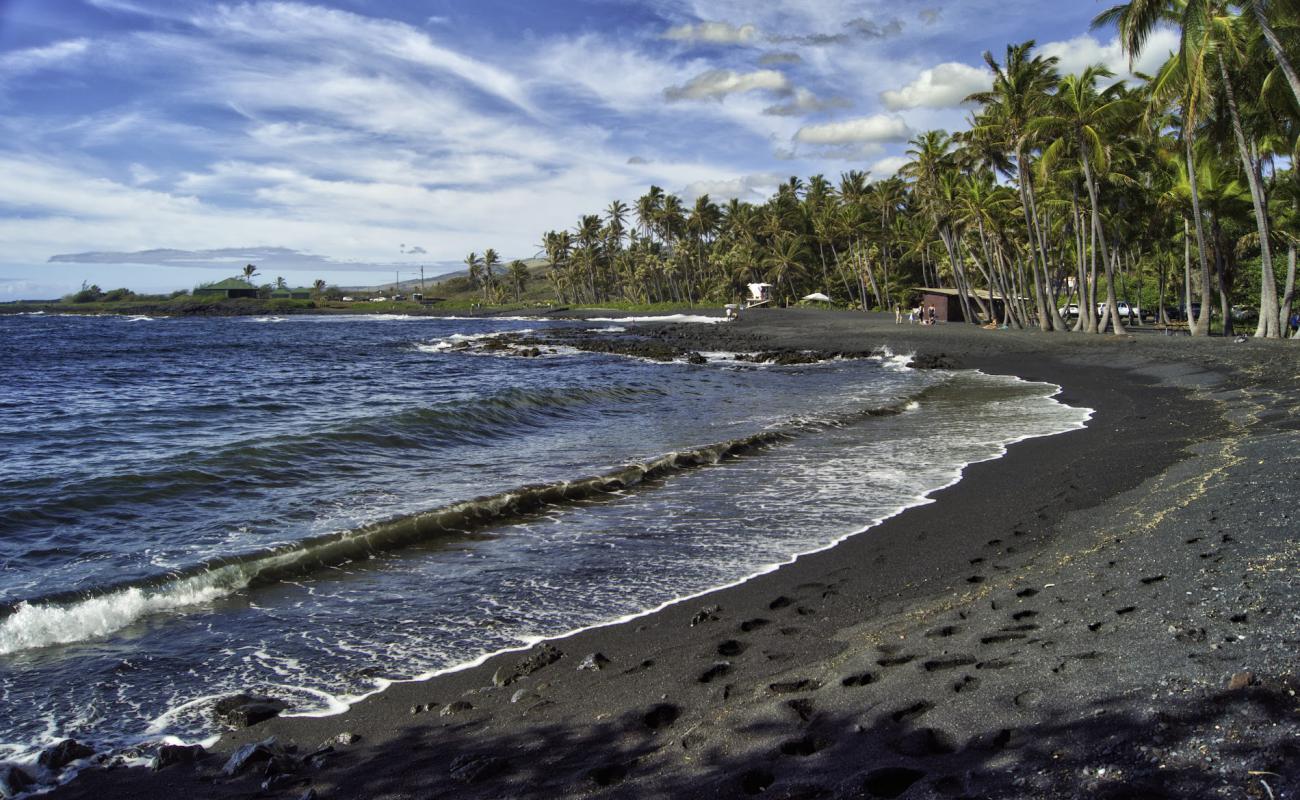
(1127, 312)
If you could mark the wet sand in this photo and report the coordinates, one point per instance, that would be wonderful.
(1105, 613)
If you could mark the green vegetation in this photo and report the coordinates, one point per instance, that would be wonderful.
(1066, 189)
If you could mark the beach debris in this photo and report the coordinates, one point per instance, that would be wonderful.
(268, 749)
(170, 754)
(545, 655)
(477, 768)
(62, 754)
(13, 782)
(1241, 680)
(706, 614)
(594, 661)
(246, 710)
(456, 707)
(346, 738)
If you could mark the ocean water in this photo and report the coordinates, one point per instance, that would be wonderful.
(314, 507)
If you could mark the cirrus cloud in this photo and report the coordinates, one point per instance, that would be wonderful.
(713, 33)
(718, 83)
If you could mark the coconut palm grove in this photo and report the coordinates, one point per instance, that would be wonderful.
(1178, 194)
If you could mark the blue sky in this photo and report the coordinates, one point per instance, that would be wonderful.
(347, 139)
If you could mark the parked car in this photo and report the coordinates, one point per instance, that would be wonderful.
(1070, 311)
(1127, 312)
(1244, 314)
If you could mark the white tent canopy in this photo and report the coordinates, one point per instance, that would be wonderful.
(817, 296)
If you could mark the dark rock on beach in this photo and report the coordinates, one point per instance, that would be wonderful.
(14, 781)
(64, 753)
(543, 655)
(244, 710)
(170, 754)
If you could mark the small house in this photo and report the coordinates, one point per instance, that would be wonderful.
(230, 287)
(947, 303)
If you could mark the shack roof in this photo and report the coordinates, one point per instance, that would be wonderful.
(229, 283)
(982, 294)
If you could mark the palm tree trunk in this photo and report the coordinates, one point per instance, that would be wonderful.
(1288, 296)
(1112, 307)
(1268, 323)
(1045, 322)
(1275, 45)
(1201, 325)
(1187, 274)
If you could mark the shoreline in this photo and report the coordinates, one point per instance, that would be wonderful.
(869, 584)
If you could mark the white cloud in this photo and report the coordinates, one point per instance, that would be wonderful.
(342, 32)
(1085, 50)
(37, 58)
(943, 86)
(753, 188)
(718, 83)
(713, 33)
(875, 129)
(887, 167)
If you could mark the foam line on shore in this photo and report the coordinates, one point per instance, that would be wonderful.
(343, 703)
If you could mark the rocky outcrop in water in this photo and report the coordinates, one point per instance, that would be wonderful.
(62, 754)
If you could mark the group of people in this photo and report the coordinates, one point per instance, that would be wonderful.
(925, 315)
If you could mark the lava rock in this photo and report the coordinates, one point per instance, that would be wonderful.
(931, 361)
(545, 655)
(245, 711)
(170, 754)
(594, 661)
(62, 754)
(1240, 681)
(708, 614)
(457, 707)
(13, 782)
(696, 358)
(255, 753)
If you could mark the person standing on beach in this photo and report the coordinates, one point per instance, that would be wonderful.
(898, 314)
(930, 315)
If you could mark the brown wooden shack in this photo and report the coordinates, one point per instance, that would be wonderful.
(947, 303)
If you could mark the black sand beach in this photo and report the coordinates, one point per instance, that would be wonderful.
(1105, 613)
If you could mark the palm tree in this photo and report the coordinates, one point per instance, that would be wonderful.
(490, 261)
(319, 285)
(249, 272)
(518, 274)
(1083, 118)
(1210, 42)
(475, 267)
(785, 261)
(1019, 94)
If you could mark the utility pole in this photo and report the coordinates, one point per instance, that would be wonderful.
(421, 280)
(397, 282)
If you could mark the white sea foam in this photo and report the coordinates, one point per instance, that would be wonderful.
(33, 626)
(668, 318)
